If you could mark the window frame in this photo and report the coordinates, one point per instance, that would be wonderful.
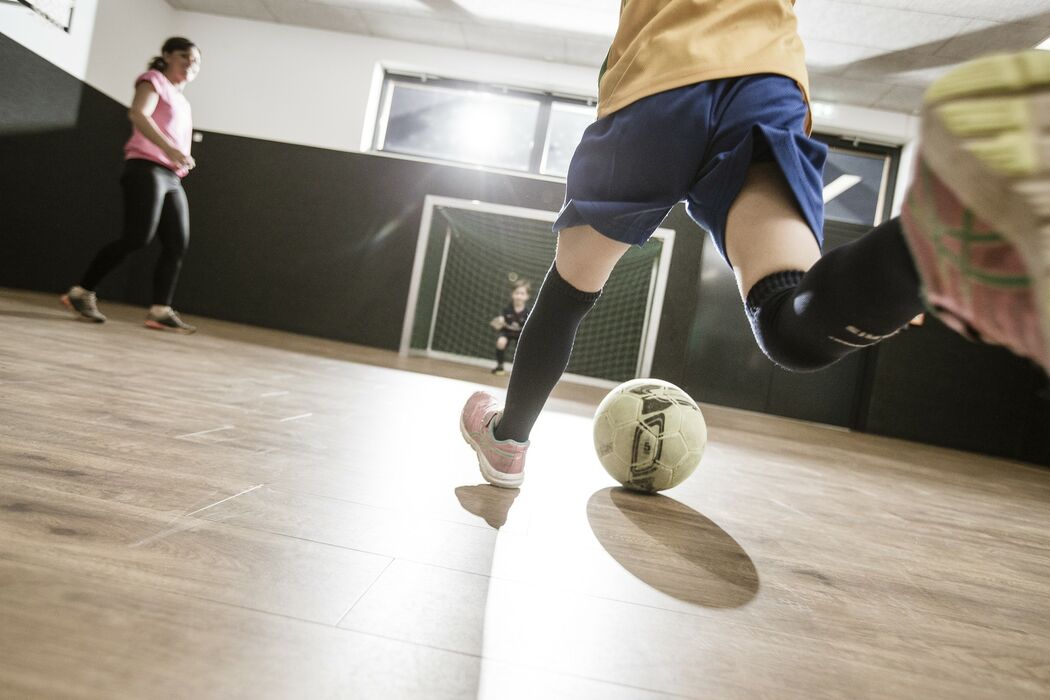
(540, 137)
(891, 156)
(546, 99)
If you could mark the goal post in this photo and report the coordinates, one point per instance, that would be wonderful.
(57, 12)
(469, 254)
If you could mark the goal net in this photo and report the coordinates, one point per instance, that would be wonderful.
(470, 255)
(57, 12)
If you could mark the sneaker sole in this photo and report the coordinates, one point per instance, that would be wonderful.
(986, 135)
(80, 317)
(494, 477)
(161, 327)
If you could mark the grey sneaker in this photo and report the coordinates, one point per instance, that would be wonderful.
(85, 304)
(168, 321)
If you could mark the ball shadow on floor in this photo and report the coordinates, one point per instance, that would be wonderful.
(673, 548)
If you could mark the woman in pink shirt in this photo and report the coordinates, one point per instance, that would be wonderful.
(157, 157)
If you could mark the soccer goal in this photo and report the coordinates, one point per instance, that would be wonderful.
(57, 12)
(470, 254)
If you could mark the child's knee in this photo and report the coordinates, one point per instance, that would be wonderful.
(786, 352)
(769, 311)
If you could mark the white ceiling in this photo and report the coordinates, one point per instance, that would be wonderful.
(872, 53)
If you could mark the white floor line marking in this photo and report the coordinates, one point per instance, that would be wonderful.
(792, 509)
(224, 500)
(304, 415)
(274, 393)
(364, 593)
(205, 432)
(183, 522)
(170, 530)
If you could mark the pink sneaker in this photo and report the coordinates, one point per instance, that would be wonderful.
(502, 462)
(977, 216)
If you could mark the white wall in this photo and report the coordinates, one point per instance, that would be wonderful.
(128, 33)
(307, 86)
(312, 87)
(69, 51)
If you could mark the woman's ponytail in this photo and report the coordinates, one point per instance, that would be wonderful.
(175, 43)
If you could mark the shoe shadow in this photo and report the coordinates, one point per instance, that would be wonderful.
(489, 503)
(673, 548)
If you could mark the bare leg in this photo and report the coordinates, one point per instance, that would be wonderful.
(586, 258)
(808, 311)
(765, 231)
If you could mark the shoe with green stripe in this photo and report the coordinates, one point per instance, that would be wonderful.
(977, 216)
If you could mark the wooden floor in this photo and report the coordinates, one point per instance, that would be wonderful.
(249, 514)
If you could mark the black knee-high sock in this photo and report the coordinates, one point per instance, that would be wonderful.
(543, 353)
(500, 356)
(853, 297)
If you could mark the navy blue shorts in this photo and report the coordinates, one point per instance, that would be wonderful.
(693, 143)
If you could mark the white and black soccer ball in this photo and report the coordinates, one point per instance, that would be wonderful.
(649, 434)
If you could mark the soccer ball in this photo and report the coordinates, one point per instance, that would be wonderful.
(649, 434)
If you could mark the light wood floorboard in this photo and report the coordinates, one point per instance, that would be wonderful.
(247, 513)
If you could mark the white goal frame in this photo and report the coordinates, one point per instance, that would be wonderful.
(654, 301)
(57, 12)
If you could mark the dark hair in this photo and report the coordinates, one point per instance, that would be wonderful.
(175, 43)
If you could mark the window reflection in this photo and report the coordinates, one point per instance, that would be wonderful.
(566, 127)
(460, 125)
(854, 186)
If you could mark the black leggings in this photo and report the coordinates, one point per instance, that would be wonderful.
(154, 202)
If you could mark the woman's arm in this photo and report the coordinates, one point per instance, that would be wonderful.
(139, 114)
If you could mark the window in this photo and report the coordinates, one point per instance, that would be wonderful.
(480, 125)
(564, 131)
(858, 181)
(535, 132)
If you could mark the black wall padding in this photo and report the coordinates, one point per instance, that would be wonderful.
(60, 161)
(931, 385)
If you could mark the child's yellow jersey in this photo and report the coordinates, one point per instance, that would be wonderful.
(665, 44)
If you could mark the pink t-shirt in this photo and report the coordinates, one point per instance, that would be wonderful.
(172, 116)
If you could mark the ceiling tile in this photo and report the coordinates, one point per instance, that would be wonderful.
(877, 27)
(419, 6)
(923, 72)
(900, 67)
(249, 9)
(319, 15)
(587, 52)
(901, 99)
(1030, 11)
(422, 30)
(863, 52)
(545, 46)
(580, 18)
(835, 58)
(830, 88)
(983, 37)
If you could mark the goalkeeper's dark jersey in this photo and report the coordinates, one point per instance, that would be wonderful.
(514, 320)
